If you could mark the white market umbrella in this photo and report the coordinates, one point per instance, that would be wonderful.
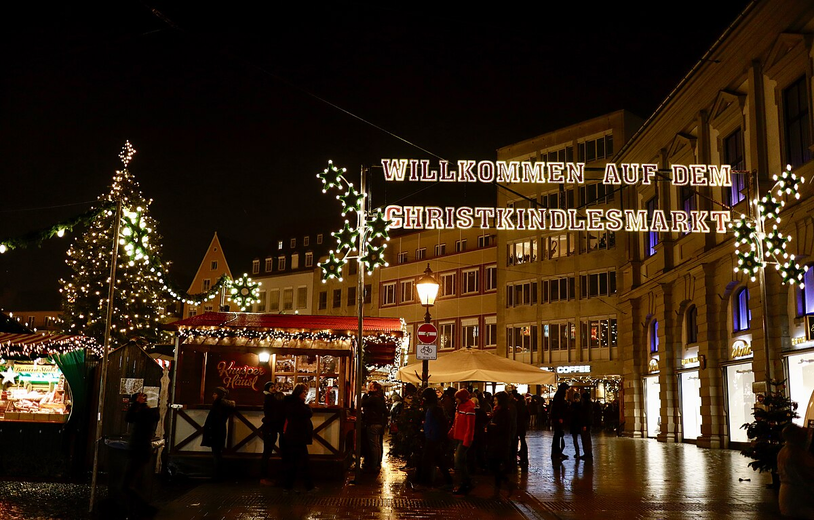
(477, 365)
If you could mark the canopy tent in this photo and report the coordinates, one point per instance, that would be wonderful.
(477, 365)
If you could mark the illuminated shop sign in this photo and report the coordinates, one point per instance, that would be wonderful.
(533, 219)
(234, 376)
(576, 369)
(800, 340)
(690, 362)
(741, 348)
(653, 365)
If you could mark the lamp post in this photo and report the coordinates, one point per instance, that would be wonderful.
(427, 288)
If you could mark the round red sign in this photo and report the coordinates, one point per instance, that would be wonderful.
(427, 333)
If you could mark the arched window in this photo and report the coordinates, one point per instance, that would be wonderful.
(805, 296)
(741, 315)
(692, 325)
(654, 337)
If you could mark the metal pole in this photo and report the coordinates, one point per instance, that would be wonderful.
(360, 343)
(425, 363)
(764, 302)
(103, 378)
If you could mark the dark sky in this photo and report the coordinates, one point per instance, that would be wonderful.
(233, 107)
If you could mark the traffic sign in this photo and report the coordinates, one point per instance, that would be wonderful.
(427, 334)
(426, 352)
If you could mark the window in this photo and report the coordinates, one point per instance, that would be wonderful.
(421, 254)
(306, 241)
(595, 193)
(490, 332)
(692, 325)
(741, 314)
(208, 308)
(805, 296)
(469, 333)
(389, 293)
(213, 266)
(274, 300)
(486, 240)
(337, 298)
(651, 238)
(255, 266)
(351, 296)
(269, 262)
(207, 283)
(654, 337)
(446, 336)
(490, 275)
(293, 243)
(281, 263)
(559, 336)
(302, 297)
(30, 322)
(288, 299)
(597, 284)
(402, 259)
(447, 284)
(595, 240)
(687, 200)
(261, 305)
(309, 259)
(558, 246)
(521, 342)
(440, 249)
(733, 156)
(470, 281)
(295, 261)
(598, 332)
(560, 199)
(521, 251)
(407, 292)
(368, 293)
(593, 149)
(521, 293)
(280, 244)
(795, 119)
(353, 267)
(460, 246)
(323, 300)
(558, 289)
(319, 238)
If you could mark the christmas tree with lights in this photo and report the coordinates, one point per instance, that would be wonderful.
(139, 301)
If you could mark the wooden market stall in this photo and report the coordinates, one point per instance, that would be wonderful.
(241, 352)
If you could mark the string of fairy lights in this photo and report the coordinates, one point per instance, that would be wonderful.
(374, 230)
(254, 335)
(759, 242)
(48, 347)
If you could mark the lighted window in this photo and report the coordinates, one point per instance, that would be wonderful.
(470, 332)
(598, 333)
(741, 314)
(796, 120)
(280, 244)
(446, 336)
(654, 337)
(559, 336)
(389, 293)
(521, 251)
(559, 246)
(490, 332)
(295, 261)
(522, 343)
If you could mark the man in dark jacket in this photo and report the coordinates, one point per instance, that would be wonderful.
(273, 419)
(142, 420)
(374, 420)
(559, 413)
(435, 437)
(214, 430)
(522, 427)
(298, 434)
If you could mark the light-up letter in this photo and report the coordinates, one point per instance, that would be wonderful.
(536, 219)
(503, 218)
(697, 175)
(635, 220)
(614, 220)
(412, 217)
(428, 175)
(698, 224)
(465, 170)
(721, 219)
(611, 175)
(484, 214)
(576, 173)
(486, 170)
(464, 217)
(630, 173)
(648, 172)
(393, 214)
(680, 221)
(532, 173)
(449, 223)
(594, 222)
(659, 222)
(415, 170)
(521, 217)
(434, 218)
(555, 174)
(509, 171)
(558, 219)
(681, 175)
(720, 175)
(574, 224)
(394, 169)
(444, 175)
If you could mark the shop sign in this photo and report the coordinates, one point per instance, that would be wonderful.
(810, 328)
(528, 172)
(38, 373)
(236, 376)
(574, 369)
(690, 362)
(653, 366)
(799, 340)
(741, 349)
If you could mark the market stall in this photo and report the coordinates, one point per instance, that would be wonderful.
(44, 401)
(242, 351)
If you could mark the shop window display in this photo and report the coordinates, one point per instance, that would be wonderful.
(34, 391)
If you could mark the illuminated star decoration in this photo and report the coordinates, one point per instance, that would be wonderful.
(379, 227)
(374, 257)
(127, 153)
(332, 267)
(743, 230)
(791, 272)
(244, 292)
(770, 207)
(9, 375)
(331, 177)
(788, 183)
(775, 244)
(346, 237)
(134, 236)
(351, 200)
(749, 263)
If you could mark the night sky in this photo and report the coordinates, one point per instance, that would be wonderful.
(234, 108)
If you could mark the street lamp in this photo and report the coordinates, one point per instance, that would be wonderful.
(427, 288)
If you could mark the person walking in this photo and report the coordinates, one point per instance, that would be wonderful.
(498, 439)
(575, 422)
(520, 433)
(586, 410)
(272, 428)
(374, 421)
(214, 430)
(433, 453)
(558, 412)
(462, 433)
(795, 467)
(142, 420)
(298, 434)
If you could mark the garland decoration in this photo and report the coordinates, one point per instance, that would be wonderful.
(36, 238)
(373, 227)
(755, 247)
(244, 292)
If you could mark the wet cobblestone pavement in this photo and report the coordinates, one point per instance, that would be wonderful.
(628, 479)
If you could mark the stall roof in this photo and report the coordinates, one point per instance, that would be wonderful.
(288, 322)
(44, 344)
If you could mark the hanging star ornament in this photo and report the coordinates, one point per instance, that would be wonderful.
(770, 207)
(346, 237)
(331, 177)
(748, 262)
(788, 183)
(8, 376)
(792, 272)
(379, 227)
(743, 230)
(351, 200)
(332, 267)
(374, 257)
(774, 243)
(244, 292)
(127, 153)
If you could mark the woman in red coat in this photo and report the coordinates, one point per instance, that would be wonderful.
(462, 433)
